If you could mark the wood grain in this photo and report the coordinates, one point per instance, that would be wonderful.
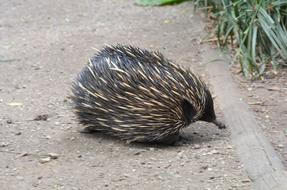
(259, 158)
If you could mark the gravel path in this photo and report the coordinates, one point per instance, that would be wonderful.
(44, 44)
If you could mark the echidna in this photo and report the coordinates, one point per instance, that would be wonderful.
(138, 95)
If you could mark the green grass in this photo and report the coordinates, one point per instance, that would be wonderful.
(256, 29)
(157, 2)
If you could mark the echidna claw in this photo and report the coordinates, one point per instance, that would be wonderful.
(219, 124)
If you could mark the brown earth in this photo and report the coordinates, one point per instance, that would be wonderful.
(44, 44)
(268, 100)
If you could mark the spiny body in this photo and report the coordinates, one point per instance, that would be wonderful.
(138, 95)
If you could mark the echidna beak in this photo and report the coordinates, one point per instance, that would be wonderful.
(219, 124)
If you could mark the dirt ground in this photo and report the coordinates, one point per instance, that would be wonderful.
(44, 44)
(268, 100)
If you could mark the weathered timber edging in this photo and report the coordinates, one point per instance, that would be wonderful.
(255, 152)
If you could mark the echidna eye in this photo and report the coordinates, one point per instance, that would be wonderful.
(188, 111)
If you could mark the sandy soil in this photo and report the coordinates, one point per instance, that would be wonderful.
(44, 44)
(268, 100)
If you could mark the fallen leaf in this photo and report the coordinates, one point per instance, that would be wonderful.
(15, 104)
(256, 103)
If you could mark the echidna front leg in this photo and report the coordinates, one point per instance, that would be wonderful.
(89, 130)
(219, 124)
(170, 140)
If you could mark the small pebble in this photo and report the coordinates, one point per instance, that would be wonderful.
(72, 138)
(53, 156)
(229, 147)
(167, 166)
(197, 146)
(18, 133)
(45, 160)
(204, 167)
(24, 154)
(9, 121)
(4, 144)
(137, 153)
(197, 157)
(246, 181)
(47, 137)
(42, 117)
(213, 152)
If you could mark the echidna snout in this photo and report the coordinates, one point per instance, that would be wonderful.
(209, 114)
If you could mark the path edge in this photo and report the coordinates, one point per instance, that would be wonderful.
(260, 160)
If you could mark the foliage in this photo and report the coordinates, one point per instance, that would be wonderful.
(257, 28)
(156, 2)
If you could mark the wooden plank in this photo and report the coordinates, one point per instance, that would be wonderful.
(255, 152)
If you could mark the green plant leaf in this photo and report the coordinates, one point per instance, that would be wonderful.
(254, 37)
(259, 30)
(156, 2)
(276, 33)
